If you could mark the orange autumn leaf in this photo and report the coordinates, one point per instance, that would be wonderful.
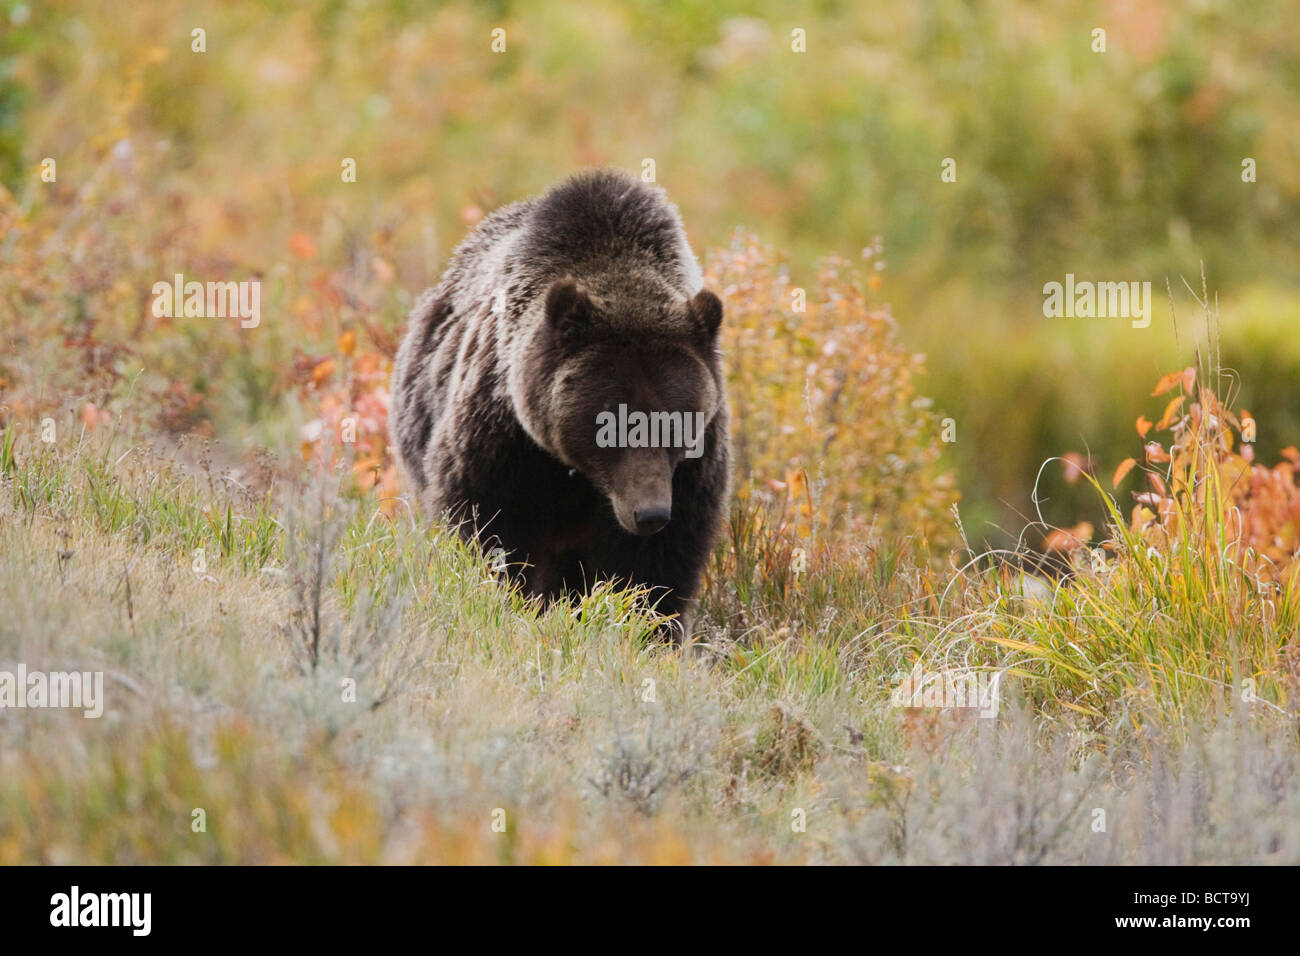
(1189, 379)
(348, 342)
(92, 415)
(1142, 516)
(366, 471)
(1124, 468)
(302, 245)
(1171, 409)
(322, 371)
(1155, 453)
(1172, 379)
(1143, 426)
(1166, 383)
(1068, 539)
(795, 481)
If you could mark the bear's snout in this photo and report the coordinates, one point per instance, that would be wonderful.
(640, 490)
(652, 520)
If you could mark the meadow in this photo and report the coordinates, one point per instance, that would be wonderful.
(1093, 528)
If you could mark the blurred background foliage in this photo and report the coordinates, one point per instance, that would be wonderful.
(226, 164)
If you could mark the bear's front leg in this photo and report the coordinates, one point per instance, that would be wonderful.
(670, 567)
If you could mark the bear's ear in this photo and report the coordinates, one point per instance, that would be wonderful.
(568, 310)
(706, 310)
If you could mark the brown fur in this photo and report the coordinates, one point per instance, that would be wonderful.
(554, 310)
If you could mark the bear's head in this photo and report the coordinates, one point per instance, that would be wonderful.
(622, 391)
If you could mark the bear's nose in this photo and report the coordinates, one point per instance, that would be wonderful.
(651, 520)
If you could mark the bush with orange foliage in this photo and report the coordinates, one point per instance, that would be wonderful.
(1190, 605)
(351, 396)
(827, 423)
(1205, 480)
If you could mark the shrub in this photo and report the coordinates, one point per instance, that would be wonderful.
(1187, 605)
(826, 419)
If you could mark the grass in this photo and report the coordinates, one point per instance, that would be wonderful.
(341, 685)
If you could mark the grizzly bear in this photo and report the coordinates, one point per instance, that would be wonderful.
(560, 396)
